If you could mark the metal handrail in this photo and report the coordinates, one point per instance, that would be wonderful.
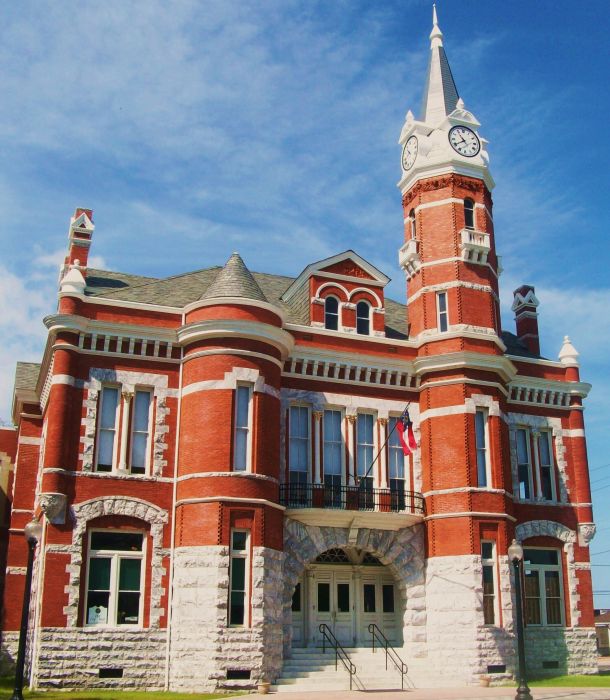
(389, 652)
(340, 653)
(342, 497)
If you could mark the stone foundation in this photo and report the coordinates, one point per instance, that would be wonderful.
(72, 658)
(573, 649)
(204, 649)
(8, 652)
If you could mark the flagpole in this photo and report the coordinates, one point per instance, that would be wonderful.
(360, 479)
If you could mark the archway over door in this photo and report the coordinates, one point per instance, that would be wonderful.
(401, 551)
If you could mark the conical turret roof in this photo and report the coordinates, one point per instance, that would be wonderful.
(440, 95)
(234, 280)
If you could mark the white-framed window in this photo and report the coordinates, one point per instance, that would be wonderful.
(140, 431)
(365, 448)
(548, 489)
(482, 446)
(412, 224)
(524, 464)
(469, 213)
(242, 441)
(107, 429)
(115, 578)
(396, 466)
(239, 577)
(363, 318)
(490, 596)
(442, 312)
(331, 313)
(299, 450)
(543, 586)
(332, 449)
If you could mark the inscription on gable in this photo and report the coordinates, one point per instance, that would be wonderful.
(349, 269)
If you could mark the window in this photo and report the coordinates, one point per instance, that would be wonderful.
(441, 312)
(241, 455)
(331, 313)
(363, 322)
(365, 449)
(140, 431)
(543, 587)
(469, 213)
(299, 444)
(480, 425)
(396, 467)
(296, 598)
(239, 576)
(114, 578)
(333, 457)
(524, 464)
(547, 476)
(412, 224)
(107, 429)
(488, 561)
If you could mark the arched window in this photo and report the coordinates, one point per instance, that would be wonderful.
(412, 224)
(363, 314)
(469, 213)
(331, 313)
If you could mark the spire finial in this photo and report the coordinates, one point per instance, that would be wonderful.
(436, 36)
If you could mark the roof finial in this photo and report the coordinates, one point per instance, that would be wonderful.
(436, 36)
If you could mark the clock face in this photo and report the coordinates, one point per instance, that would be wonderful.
(409, 153)
(464, 141)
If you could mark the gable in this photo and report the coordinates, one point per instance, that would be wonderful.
(349, 268)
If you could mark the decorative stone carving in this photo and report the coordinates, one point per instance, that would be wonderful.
(53, 505)
(586, 532)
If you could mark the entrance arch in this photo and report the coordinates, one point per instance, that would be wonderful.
(401, 552)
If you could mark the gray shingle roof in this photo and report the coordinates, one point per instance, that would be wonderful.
(180, 290)
(515, 347)
(26, 375)
(234, 280)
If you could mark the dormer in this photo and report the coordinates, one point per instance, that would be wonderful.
(342, 293)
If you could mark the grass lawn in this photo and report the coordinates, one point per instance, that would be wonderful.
(602, 681)
(6, 690)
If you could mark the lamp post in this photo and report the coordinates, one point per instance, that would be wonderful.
(515, 554)
(32, 532)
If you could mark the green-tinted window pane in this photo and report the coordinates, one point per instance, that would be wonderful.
(369, 597)
(487, 550)
(488, 610)
(296, 599)
(541, 556)
(238, 575)
(343, 597)
(128, 612)
(97, 608)
(488, 579)
(117, 541)
(237, 608)
(545, 453)
(388, 598)
(110, 398)
(239, 541)
(129, 574)
(141, 411)
(323, 597)
(138, 452)
(99, 574)
(522, 453)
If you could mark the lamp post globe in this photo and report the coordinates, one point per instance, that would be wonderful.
(515, 555)
(32, 533)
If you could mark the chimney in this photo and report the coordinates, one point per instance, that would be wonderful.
(526, 317)
(79, 239)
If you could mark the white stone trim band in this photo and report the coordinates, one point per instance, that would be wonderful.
(243, 475)
(229, 499)
(24, 440)
(233, 351)
(452, 285)
(467, 489)
(470, 513)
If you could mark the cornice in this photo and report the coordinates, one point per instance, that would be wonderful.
(250, 330)
(462, 360)
(80, 324)
(434, 177)
(123, 303)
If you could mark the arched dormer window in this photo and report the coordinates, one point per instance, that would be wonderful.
(331, 313)
(469, 213)
(363, 318)
(412, 224)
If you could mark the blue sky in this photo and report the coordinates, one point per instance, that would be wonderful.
(197, 128)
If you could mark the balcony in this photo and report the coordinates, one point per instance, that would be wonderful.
(408, 258)
(352, 506)
(474, 246)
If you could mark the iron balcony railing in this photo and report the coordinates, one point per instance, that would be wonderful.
(363, 497)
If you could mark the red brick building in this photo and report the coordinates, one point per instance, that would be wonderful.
(216, 456)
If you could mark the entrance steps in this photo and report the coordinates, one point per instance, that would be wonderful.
(310, 670)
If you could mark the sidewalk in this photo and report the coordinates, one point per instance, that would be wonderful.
(454, 694)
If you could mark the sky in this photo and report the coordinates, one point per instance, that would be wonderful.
(194, 129)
